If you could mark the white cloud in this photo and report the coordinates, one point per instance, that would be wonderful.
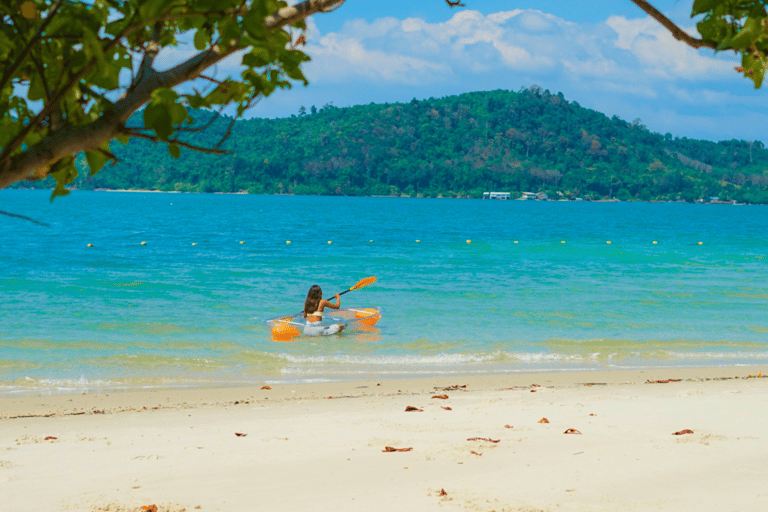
(415, 51)
(708, 97)
(629, 67)
(661, 54)
(593, 68)
(337, 58)
(536, 21)
(642, 91)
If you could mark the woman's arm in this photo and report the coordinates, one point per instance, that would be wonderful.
(331, 305)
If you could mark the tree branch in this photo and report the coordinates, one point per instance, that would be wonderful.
(676, 31)
(291, 14)
(41, 69)
(145, 68)
(10, 70)
(30, 219)
(153, 138)
(52, 104)
(109, 155)
(211, 79)
(201, 128)
(96, 94)
(70, 140)
(226, 134)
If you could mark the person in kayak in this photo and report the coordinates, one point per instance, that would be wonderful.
(313, 312)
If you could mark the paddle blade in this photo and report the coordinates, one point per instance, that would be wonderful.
(363, 282)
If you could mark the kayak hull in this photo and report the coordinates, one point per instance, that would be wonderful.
(288, 327)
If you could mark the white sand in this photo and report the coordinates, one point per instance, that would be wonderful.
(306, 452)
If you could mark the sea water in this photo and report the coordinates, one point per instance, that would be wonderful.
(469, 287)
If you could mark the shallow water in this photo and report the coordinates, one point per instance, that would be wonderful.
(169, 313)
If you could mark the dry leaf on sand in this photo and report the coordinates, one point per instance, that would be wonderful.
(391, 449)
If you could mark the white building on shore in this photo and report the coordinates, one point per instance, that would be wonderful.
(496, 195)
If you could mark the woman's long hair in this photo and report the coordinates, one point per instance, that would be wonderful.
(314, 296)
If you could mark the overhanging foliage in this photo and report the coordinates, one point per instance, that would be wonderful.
(74, 72)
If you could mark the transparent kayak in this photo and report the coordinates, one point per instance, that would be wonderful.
(287, 327)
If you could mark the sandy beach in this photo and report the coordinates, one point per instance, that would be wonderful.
(323, 446)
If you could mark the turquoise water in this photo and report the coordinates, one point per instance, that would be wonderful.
(169, 313)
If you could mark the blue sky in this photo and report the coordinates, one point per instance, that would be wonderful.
(605, 54)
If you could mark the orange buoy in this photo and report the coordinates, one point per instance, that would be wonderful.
(284, 332)
(369, 316)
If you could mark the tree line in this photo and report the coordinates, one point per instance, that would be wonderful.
(457, 146)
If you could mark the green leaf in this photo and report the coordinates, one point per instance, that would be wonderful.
(165, 94)
(229, 31)
(36, 90)
(747, 35)
(702, 6)
(253, 23)
(105, 77)
(202, 38)
(6, 45)
(96, 160)
(758, 76)
(713, 29)
(291, 61)
(754, 69)
(177, 112)
(157, 118)
(257, 57)
(151, 9)
(92, 46)
(174, 150)
(195, 100)
(59, 191)
(228, 91)
(66, 173)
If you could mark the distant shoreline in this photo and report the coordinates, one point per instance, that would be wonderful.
(244, 193)
(164, 191)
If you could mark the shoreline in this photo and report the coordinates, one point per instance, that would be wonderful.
(245, 193)
(485, 447)
(66, 391)
(125, 400)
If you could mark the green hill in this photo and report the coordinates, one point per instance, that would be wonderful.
(458, 146)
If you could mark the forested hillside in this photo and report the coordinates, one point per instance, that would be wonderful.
(458, 146)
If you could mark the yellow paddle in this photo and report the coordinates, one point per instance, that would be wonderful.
(360, 284)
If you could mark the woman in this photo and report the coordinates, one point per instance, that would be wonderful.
(313, 312)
